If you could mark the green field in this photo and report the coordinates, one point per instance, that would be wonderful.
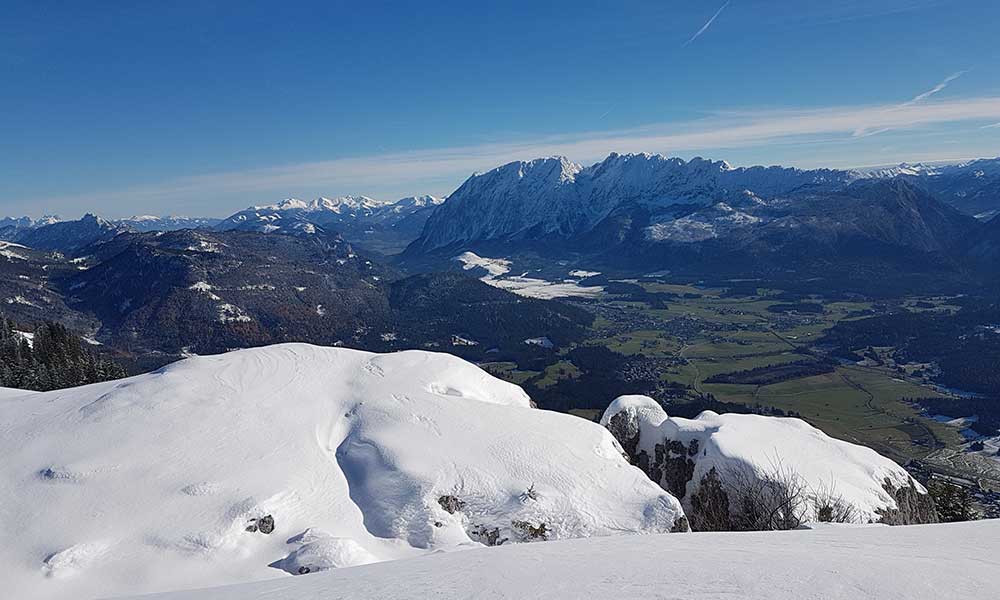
(858, 404)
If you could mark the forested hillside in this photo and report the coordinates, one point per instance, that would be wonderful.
(51, 358)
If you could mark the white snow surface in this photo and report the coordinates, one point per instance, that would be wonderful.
(494, 267)
(766, 444)
(147, 484)
(497, 274)
(924, 562)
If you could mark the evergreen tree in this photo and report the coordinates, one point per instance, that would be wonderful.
(54, 358)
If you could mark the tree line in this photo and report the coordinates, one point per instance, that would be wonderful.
(51, 358)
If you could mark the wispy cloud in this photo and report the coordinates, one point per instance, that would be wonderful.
(992, 126)
(707, 24)
(937, 88)
(440, 170)
(868, 132)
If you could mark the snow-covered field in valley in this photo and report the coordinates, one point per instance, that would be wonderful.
(920, 562)
(497, 274)
(176, 478)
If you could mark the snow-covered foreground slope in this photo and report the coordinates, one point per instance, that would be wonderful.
(150, 483)
(923, 562)
(679, 453)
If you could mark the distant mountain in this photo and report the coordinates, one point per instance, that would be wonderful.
(645, 213)
(70, 236)
(11, 227)
(154, 223)
(30, 290)
(374, 224)
(985, 247)
(553, 198)
(870, 235)
(163, 294)
(972, 187)
(209, 291)
(52, 233)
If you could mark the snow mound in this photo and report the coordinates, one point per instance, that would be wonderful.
(166, 480)
(678, 453)
(320, 551)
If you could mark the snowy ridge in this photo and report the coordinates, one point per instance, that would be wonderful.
(321, 209)
(555, 197)
(855, 474)
(150, 483)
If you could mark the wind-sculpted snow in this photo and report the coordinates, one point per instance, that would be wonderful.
(680, 452)
(165, 481)
(930, 562)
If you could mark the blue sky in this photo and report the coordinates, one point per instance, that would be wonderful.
(207, 107)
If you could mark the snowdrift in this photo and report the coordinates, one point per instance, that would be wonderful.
(928, 562)
(678, 453)
(294, 458)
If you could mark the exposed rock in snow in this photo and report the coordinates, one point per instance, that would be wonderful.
(150, 483)
(683, 455)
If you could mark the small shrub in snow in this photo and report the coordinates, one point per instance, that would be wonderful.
(710, 505)
(529, 494)
(830, 507)
(768, 500)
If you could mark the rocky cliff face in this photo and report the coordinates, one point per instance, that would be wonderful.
(754, 472)
(554, 198)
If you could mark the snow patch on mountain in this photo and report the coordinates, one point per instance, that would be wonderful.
(497, 270)
(713, 222)
(494, 267)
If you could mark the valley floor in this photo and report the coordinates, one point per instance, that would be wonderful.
(907, 563)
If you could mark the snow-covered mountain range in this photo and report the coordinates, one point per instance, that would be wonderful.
(375, 224)
(558, 198)
(553, 198)
(972, 187)
(167, 223)
(643, 213)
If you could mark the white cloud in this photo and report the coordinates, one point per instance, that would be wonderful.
(991, 126)
(439, 170)
(707, 24)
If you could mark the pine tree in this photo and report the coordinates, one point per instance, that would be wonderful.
(56, 358)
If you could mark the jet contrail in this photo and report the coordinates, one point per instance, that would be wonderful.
(708, 23)
(944, 83)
